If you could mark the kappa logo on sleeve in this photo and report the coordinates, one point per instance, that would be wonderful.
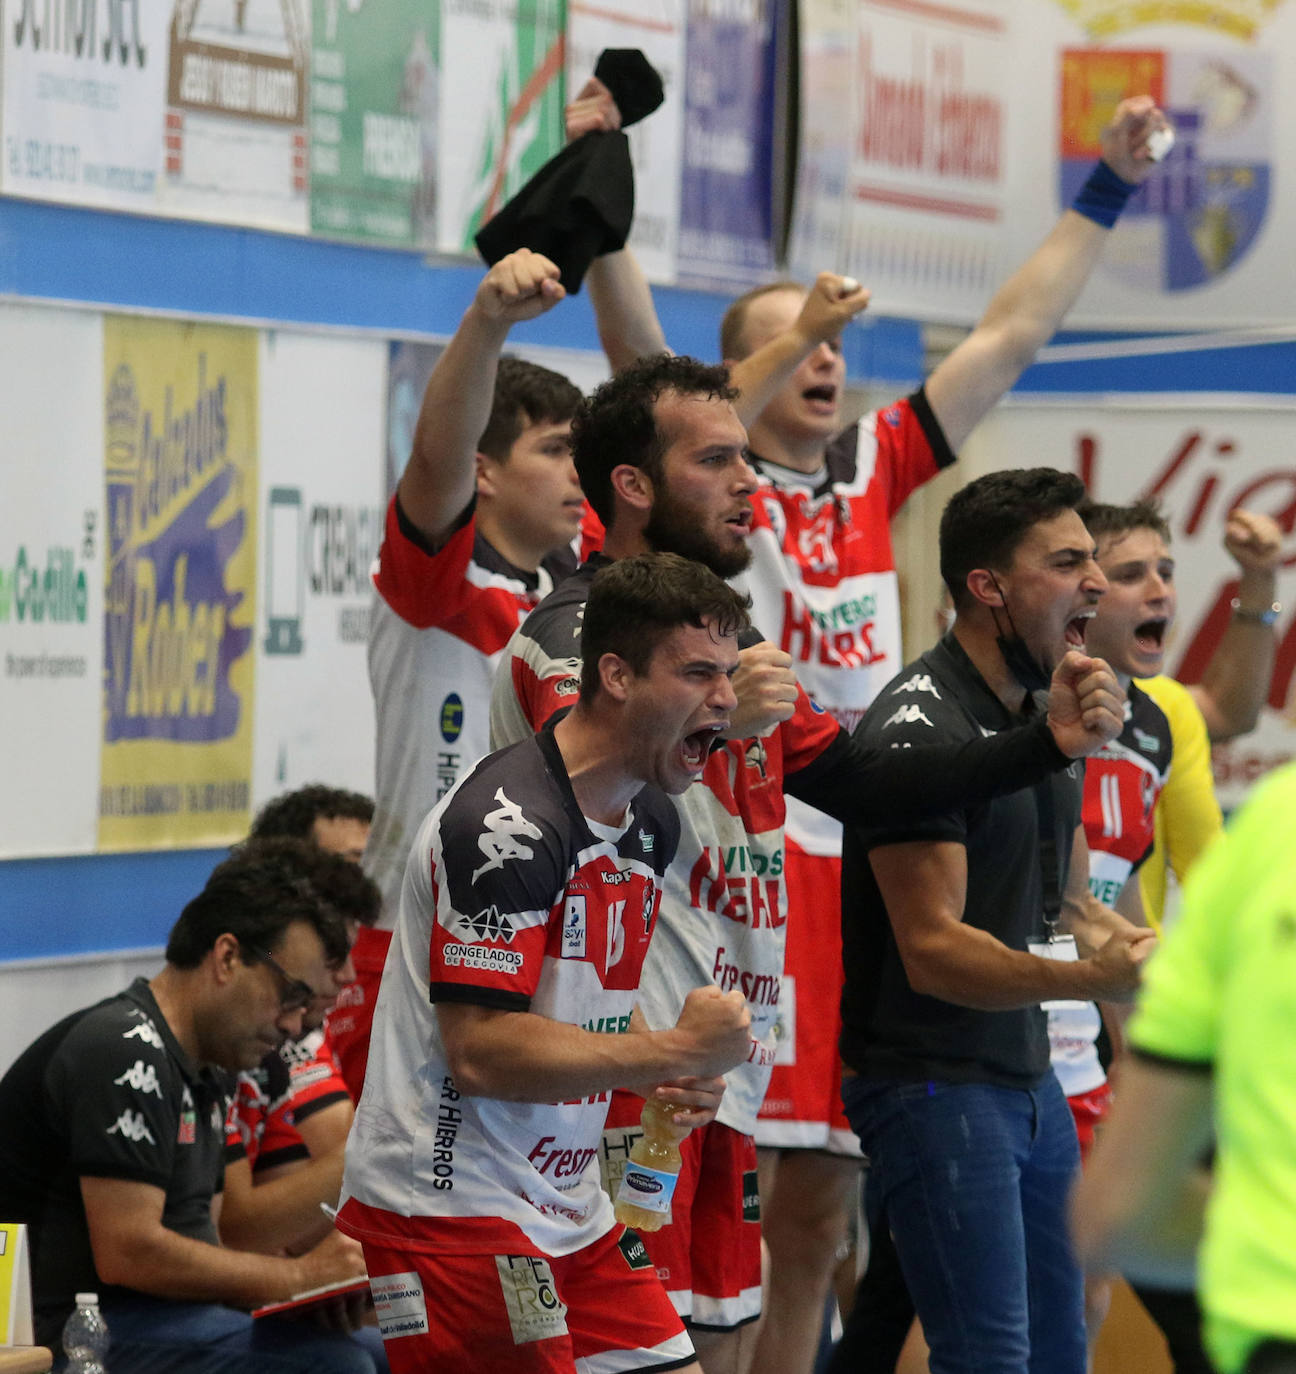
(920, 682)
(142, 1077)
(536, 1312)
(502, 839)
(145, 1031)
(131, 1126)
(399, 1305)
(911, 714)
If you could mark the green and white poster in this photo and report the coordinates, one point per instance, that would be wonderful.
(501, 107)
(375, 81)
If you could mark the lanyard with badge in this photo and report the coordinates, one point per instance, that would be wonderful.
(1055, 944)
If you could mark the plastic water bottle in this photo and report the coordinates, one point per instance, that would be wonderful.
(85, 1336)
(643, 1202)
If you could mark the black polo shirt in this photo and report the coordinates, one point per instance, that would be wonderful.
(106, 1093)
(888, 1030)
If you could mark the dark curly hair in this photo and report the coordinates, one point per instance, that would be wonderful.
(295, 813)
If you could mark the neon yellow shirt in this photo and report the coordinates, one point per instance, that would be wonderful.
(1222, 993)
(1187, 814)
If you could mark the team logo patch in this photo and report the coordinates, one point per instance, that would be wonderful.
(487, 924)
(399, 1305)
(751, 1210)
(536, 1312)
(452, 716)
(573, 928)
(634, 1250)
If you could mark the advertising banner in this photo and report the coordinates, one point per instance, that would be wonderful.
(905, 131)
(84, 99)
(1204, 243)
(320, 530)
(51, 579)
(235, 137)
(180, 468)
(1200, 458)
(501, 107)
(726, 198)
(375, 84)
(657, 28)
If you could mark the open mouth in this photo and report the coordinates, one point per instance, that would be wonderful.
(742, 520)
(825, 395)
(1150, 636)
(1076, 627)
(696, 747)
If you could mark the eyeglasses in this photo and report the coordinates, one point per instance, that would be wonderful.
(296, 995)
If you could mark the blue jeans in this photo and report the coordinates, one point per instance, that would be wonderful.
(154, 1336)
(974, 1181)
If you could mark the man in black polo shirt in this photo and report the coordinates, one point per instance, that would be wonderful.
(112, 1137)
(946, 932)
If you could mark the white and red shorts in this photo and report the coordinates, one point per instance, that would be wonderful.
(1088, 1110)
(709, 1256)
(803, 1106)
(524, 1314)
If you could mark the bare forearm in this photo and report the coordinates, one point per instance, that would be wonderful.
(623, 307)
(524, 1057)
(283, 1213)
(167, 1265)
(759, 375)
(1235, 682)
(1092, 923)
(457, 403)
(972, 968)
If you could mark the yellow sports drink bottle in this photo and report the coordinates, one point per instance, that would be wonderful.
(643, 1202)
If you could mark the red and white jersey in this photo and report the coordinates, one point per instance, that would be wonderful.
(822, 577)
(512, 899)
(725, 904)
(1122, 784)
(440, 621)
(290, 1084)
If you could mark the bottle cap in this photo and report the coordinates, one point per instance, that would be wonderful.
(87, 1299)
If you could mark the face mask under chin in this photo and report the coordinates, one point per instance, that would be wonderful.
(1022, 664)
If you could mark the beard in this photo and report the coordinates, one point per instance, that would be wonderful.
(673, 527)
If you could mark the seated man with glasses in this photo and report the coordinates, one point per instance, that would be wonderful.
(112, 1137)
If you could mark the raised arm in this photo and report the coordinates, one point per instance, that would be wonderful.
(441, 477)
(865, 785)
(1236, 681)
(623, 305)
(1026, 311)
(521, 1056)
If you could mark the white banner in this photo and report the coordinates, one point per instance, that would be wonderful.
(51, 579)
(657, 28)
(83, 102)
(322, 412)
(905, 177)
(1200, 457)
(940, 143)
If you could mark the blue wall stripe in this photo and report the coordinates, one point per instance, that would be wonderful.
(96, 902)
(63, 253)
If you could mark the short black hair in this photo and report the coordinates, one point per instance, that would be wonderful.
(525, 394)
(984, 523)
(294, 813)
(255, 895)
(618, 423)
(636, 602)
(1103, 521)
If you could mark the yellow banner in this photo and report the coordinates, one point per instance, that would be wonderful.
(15, 1286)
(180, 402)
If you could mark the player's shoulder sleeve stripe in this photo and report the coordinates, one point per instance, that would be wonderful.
(497, 999)
(422, 586)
